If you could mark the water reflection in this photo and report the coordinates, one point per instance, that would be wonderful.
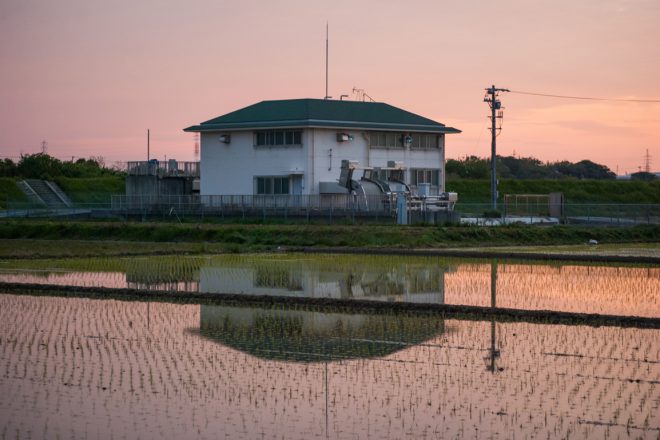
(616, 290)
(400, 281)
(89, 368)
(312, 336)
(494, 352)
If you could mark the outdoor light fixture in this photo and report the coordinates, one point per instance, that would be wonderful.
(344, 137)
(407, 139)
(225, 138)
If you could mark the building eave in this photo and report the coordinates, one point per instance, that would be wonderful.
(315, 123)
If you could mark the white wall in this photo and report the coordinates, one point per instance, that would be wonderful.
(231, 168)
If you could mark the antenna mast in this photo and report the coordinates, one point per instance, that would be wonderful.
(495, 113)
(326, 62)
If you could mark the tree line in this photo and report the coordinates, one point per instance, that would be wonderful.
(510, 167)
(43, 166)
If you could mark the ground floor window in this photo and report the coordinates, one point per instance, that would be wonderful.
(424, 175)
(273, 185)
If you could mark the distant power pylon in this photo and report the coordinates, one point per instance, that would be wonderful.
(496, 114)
(647, 161)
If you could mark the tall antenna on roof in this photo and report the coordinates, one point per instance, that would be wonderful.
(326, 62)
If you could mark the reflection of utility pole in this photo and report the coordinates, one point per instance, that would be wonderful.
(495, 114)
(326, 399)
(494, 352)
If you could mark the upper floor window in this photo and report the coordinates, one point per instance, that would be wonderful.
(390, 139)
(278, 137)
(386, 139)
(425, 141)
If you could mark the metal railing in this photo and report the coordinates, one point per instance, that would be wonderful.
(572, 213)
(246, 203)
(333, 207)
(171, 168)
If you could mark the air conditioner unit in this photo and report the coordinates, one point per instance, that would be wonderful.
(344, 137)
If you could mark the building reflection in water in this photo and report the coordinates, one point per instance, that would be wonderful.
(306, 336)
(397, 282)
(300, 335)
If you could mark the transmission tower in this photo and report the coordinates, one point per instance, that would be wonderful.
(647, 161)
(496, 116)
(44, 147)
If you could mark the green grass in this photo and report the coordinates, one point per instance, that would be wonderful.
(93, 190)
(575, 191)
(9, 192)
(236, 238)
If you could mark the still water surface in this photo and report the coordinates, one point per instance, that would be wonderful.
(618, 290)
(88, 368)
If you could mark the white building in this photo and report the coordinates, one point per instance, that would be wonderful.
(296, 146)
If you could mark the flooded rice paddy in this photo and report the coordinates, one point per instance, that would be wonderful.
(89, 368)
(106, 368)
(569, 287)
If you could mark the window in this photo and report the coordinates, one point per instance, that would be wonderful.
(390, 139)
(385, 139)
(273, 185)
(424, 175)
(278, 137)
(425, 141)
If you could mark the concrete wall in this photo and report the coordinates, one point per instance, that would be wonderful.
(151, 186)
(232, 168)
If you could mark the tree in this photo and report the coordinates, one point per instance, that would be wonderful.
(643, 175)
(7, 168)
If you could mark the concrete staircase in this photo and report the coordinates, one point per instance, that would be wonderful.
(45, 193)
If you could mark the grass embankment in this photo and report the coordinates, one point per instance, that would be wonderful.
(337, 305)
(9, 192)
(92, 191)
(575, 191)
(265, 237)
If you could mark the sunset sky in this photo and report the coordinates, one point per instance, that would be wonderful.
(90, 76)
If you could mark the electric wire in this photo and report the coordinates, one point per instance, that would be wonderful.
(548, 95)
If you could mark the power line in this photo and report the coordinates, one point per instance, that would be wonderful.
(548, 95)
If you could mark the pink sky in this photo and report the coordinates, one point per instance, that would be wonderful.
(90, 77)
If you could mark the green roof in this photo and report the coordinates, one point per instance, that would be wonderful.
(322, 113)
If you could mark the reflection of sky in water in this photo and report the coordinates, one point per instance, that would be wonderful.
(82, 368)
(568, 287)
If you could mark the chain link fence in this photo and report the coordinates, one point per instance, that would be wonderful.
(331, 208)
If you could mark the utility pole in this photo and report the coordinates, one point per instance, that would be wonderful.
(148, 145)
(495, 113)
